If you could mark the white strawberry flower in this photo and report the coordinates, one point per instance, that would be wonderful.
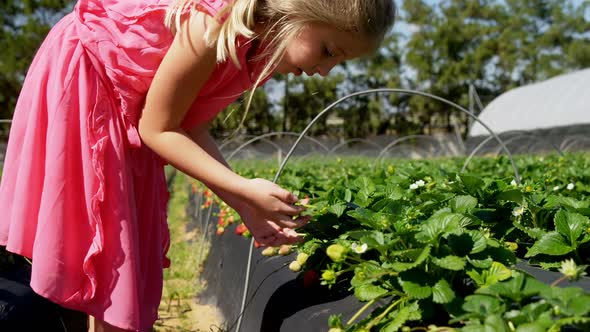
(513, 183)
(571, 270)
(570, 186)
(518, 211)
(359, 249)
(556, 188)
(417, 184)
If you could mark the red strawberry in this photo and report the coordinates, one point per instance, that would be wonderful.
(310, 278)
(240, 229)
(256, 244)
(220, 230)
(220, 221)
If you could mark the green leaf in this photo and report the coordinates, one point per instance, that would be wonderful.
(499, 271)
(388, 206)
(463, 204)
(514, 195)
(571, 300)
(571, 225)
(572, 321)
(335, 321)
(347, 195)
(442, 292)
(552, 243)
(517, 288)
(366, 217)
(337, 209)
(479, 241)
(404, 266)
(401, 316)
(369, 292)
(415, 284)
(366, 273)
(439, 224)
(531, 327)
(415, 290)
(555, 201)
(495, 323)
(375, 239)
(454, 263)
(484, 305)
(460, 244)
(473, 184)
(481, 263)
(539, 312)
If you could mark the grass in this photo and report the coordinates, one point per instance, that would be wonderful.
(178, 310)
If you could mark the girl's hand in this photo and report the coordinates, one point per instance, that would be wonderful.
(267, 232)
(268, 212)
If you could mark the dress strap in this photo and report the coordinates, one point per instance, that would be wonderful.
(213, 7)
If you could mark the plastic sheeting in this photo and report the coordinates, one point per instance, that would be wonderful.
(558, 102)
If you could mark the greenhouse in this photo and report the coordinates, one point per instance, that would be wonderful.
(556, 110)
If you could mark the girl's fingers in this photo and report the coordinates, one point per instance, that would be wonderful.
(284, 195)
(277, 239)
(289, 209)
(286, 236)
(287, 222)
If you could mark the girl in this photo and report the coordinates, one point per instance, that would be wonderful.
(118, 89)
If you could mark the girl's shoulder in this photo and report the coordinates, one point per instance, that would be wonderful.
(211, 7)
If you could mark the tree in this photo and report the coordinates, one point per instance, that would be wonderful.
(258, 120)
(494, 45)
(23, 26)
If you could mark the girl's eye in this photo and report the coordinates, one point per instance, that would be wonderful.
(328, 52)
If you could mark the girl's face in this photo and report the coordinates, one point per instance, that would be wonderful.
(318, 48)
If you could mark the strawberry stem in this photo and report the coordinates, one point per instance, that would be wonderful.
(377, 319)
(358, 313)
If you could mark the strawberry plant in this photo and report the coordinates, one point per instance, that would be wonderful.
(427, 242)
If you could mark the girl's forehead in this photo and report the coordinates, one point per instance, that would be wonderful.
(350, 44)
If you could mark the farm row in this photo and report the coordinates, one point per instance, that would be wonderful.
(427, 247)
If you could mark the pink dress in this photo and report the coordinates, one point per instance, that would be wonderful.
(80, 194)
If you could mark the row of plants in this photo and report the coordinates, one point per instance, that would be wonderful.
(428, 248)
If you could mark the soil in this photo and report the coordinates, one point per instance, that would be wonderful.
(185, 316)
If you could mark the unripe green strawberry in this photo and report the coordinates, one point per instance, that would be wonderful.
(294, 266)
(269, 251)
(335, 329)
(329, 275)
(302, 258)
(336, 252)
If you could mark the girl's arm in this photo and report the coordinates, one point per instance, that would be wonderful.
(200, 135)
(183, 72)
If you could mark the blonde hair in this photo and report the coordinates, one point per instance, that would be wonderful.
(283, 20)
